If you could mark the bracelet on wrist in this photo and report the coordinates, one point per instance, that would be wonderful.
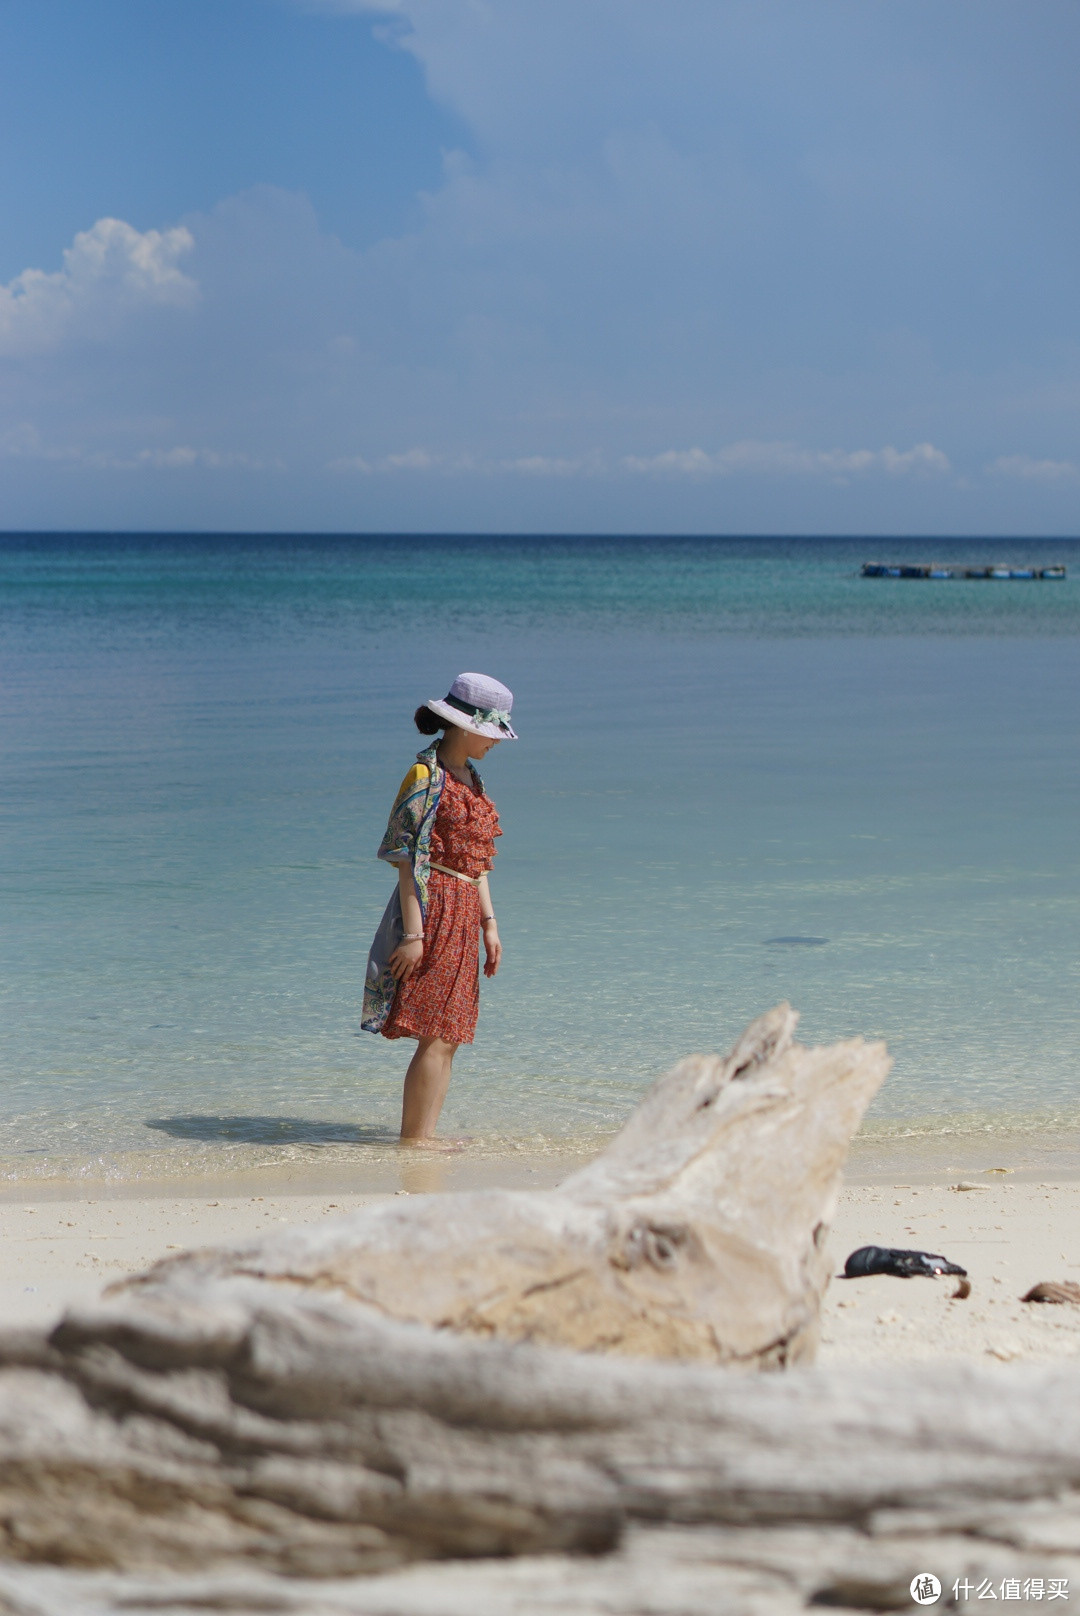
(486, 919)
(413, 937)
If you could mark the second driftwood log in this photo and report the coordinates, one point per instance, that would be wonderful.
(277, 1426)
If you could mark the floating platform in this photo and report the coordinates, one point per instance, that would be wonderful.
(877, 569)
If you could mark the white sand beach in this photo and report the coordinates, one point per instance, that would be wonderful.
(62, 1242)
(1009, 1231)
(1008, 1236)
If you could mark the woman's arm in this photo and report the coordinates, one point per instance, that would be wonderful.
(407, 956)
(492, 945)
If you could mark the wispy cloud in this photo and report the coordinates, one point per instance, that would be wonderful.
(182, 457)
(1037, 471)
(25, 443)
(355, 463)
(416, 460)
(679, 279)
(427, 461)
(586, 465)
(748, 457)
(791, 460)
(108, 270)
(676, 462)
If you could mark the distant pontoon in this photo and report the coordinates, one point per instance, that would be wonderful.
(931, 569)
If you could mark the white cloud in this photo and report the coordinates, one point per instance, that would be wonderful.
(685, 253)
(1039, 471)
(352, 463)
(410, 460)
(109, 270)
(179, 458)
(183, 457)
(538, 465)
(25, 443)
(747, 457)
(424, 460)
(790, 459)
(679, 462)
(418, 460)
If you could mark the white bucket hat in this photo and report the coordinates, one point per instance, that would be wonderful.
(477, 703)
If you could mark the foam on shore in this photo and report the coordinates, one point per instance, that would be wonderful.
(924, 1151)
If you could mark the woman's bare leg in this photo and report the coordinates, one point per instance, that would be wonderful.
(426, 1083)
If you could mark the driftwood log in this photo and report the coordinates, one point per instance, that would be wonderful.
(698, 1234)
(274, 1441)
(251, 1430)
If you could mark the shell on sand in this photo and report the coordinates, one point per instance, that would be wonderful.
(1053, 1290)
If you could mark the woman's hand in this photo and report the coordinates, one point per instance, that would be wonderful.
(492, 948)
(405, 958)
(407, 955)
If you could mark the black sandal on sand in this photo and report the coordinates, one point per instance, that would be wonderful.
(903, 1264)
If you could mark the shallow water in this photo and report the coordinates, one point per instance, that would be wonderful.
(725, 745)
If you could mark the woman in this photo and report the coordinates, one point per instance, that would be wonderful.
(424, 967)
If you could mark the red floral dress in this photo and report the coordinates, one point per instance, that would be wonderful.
(441, 999)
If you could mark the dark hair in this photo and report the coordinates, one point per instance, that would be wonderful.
(427, 722)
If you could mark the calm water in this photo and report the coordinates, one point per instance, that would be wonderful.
(724, 743)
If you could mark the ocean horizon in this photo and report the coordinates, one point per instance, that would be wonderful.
(746, 774)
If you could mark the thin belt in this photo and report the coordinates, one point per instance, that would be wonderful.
(473, 880)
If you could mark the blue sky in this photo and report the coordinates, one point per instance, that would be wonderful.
(591, 265)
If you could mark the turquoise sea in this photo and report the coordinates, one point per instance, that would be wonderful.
(745, 774)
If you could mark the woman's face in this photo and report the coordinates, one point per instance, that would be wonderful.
(479, 745)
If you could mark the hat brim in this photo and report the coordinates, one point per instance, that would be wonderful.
(454, 715)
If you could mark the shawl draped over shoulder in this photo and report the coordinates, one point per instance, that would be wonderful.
(408, 836)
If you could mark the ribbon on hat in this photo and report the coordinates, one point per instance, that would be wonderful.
(483, 715)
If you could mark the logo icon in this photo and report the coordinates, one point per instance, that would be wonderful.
(925, 1588)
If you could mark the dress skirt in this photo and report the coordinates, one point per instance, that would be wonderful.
(441, 999)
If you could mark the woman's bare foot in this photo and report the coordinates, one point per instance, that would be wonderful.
(444, 1145)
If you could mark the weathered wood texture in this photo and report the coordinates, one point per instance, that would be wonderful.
(698, 1234)
(252, 1430)
(266, 1440)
